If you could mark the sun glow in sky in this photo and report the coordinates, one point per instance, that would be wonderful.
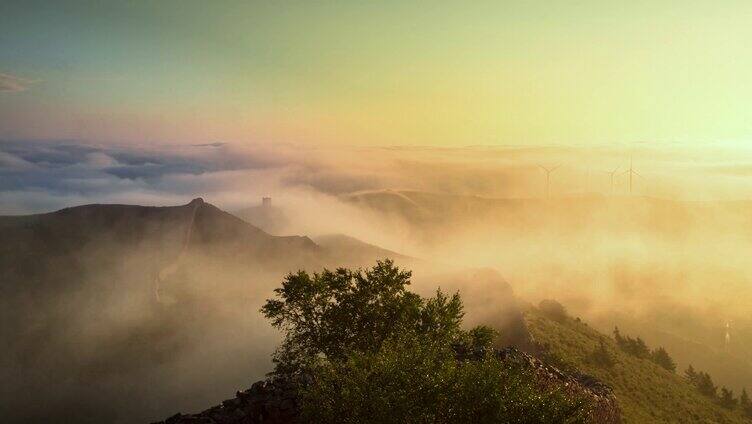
(377, 73)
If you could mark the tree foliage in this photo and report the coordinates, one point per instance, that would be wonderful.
(635, 347)
(379, 353)
(705, 385)
(413, 380)
(638, 348)
(662, 358)
(333, 313)
(691, 375)
(726, 398)
(745, 405)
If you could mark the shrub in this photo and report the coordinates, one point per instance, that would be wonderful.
(705, 385)
(635, 347)
(480, 337)
(727, 398)
(691, 375)
(378, 353)
(413, 380)
(745, 404)
(662, 358)
(332, 314)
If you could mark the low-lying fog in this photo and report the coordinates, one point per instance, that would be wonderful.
(668, 261)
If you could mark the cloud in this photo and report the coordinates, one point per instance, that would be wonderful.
(101, 160)
(41, 176)
(38, 176)
(12, 83)
(217, 144)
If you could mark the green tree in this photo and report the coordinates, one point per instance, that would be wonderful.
(333, 313)
(705, 385)
(618, 338)
(480, 337)
(745, 404)
(662, 358)
(691, 375)
(412, 380)
(635, 347)
(639, 348)
(378, 353)
(727, 398)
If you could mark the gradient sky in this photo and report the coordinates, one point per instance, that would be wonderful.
(377, 73)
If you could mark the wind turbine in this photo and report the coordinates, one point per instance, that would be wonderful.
(612, 174)
(548, 177)
(631, 173)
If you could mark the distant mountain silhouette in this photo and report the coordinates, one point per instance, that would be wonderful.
(430, 214)
(102, 300)
(271, 219)
(34, 244)
(348, 249)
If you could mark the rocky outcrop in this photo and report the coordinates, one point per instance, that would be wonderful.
(605, 409)
(275, 401)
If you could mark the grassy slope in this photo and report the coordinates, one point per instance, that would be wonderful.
(646, 392)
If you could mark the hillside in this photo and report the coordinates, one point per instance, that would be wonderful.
(90, 240)
(691, 342)
(101, 300)
(267, 217)
(673, 219)
(277, 400)
(673, 271)
(339, 249)
(646, 392)
(351, 250)
(360, 347)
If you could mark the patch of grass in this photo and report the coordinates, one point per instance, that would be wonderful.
(647, 393)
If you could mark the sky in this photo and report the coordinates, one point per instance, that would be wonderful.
(533, 73)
